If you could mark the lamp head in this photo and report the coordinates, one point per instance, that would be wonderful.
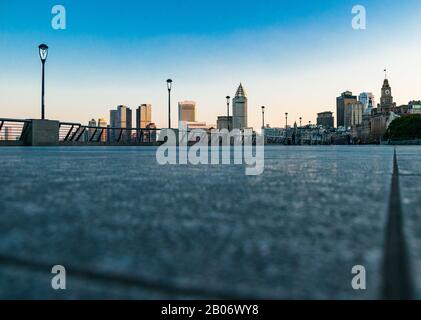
(169, 84)
(43, 52)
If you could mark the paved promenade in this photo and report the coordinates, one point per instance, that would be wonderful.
(125, 227)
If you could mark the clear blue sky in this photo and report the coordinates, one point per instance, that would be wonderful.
(292, 56)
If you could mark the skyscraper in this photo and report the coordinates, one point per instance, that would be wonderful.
(143, 120)
(121, 119)
(365, 97)
(187, 111)
(345, 99)
(369, 110)
(102, 123)
(353, 114)
(143, 116)
(91, 131)
(239, 109)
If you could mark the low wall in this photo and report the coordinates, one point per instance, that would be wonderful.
(42, 133)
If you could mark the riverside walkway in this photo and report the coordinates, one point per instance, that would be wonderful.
(125, 227)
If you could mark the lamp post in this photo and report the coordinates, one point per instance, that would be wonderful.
(228, 112)
(301, 119)
(286, 120)
(169, 86)
(263, 117)
(43, 54)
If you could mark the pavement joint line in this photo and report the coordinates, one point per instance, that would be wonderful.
(125, 280)
(397, 283)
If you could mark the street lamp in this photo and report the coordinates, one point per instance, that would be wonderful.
(228, 112)
(301, 119)
(286, 120)
(169, 86)
(263, 117)
(43, 54)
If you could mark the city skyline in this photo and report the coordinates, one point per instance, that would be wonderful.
(280, 55)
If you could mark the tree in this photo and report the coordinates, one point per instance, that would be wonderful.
(407, 127)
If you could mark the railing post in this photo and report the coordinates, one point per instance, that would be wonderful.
(75, 133)
(80, 134)
(92, 138)
(68, 133)
(119, 137)
(100, 135)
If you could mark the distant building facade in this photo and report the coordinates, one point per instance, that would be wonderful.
(224, 122)
(386, 100)
(187, 111)
(150, 136)
(372, 125)
(353, 114)
(143, 116)
(91, 131)
(102, 123)
(414, 107)
(120, 119)
(345, 99)
(365, 98)
(325, 119)
(239, 107)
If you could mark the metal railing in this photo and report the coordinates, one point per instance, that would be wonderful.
(13, 130)
(75, 133)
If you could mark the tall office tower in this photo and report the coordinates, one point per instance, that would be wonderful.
(120, 119)
(365, 97)
(345, 99)
(143, 116)
(325, 119)
(239, 109)
(102, 123)
(386, 100)
(91, 131)
(187, 111)
(353, 114)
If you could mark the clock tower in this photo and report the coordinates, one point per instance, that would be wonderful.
(386, 100)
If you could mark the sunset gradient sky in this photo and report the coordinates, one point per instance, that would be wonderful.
(291, 56)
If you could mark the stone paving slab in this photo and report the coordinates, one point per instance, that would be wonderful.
(409, 159)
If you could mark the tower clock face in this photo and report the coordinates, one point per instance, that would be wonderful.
(387, 91)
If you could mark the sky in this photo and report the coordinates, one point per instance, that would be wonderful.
(291, 56)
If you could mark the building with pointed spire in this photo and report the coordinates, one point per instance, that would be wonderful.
(386, 101)
(239, 109)
(375, 121)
